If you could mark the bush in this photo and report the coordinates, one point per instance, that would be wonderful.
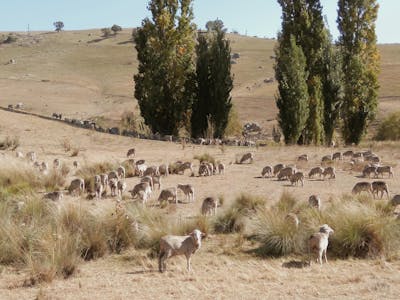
(106, 32)
(11, 38)
(115, 28)
(389, 129)
(9, 143)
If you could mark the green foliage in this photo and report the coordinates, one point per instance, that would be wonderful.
(115, 28)
(389, 129)
(165, 83)
(58, 26)
(292, 99)
(214, 81)
(234, 127)
(360, 65)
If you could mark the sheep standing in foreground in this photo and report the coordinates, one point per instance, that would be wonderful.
(266, 171)
(380, 186)
(318, 243)
(76, 186)
(314, 201)
(362, 186)
(188, 190)
(209, 206)
(171, 245)
(140, 187)
(149, 180)
(247, 157)
(168, 193)
(316, 171)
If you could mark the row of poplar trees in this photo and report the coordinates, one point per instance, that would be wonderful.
(184, 77)
(322, 86)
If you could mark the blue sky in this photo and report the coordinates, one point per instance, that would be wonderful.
(254, 17)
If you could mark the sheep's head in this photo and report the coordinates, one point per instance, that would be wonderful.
(326, 229)
(196, 236)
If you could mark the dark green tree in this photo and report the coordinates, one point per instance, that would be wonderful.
(59, 25)
(115, 28)
(214, 82)
(165, 82)
(292, 99)
(360, 65)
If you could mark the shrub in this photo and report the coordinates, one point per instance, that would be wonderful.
(129, 121)
(10, 143)
(389, 129)
(115, 28)
(286, 202)
(106, 32)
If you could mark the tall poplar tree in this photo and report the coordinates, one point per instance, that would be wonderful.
(360, 65)
(164, 84)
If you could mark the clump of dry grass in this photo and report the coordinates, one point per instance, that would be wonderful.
(75, 152)
(66, 145)
(11, 143)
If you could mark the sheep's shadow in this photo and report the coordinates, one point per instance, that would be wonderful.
(296, 264)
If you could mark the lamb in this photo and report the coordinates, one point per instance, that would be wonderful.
(171, 245)
(55, 196)
(131, 152)
(121, 172)
(296, 177)
(316, 171)
(56, 163)
(337, 155)
(98, 186)
(318, 243)
(278, 168)
(121, 187)
(380, 186)
(163, 170)
(188, 190)
(151, 171)
(76, 186)
(362, 186)
(247, 157)
(168, 193)
(385, 169)
(368, 170)
(329, 171)
(31, 156)
(293, 219)
(315, 202)
(209, 206)
(113, 182)
(267, 170)
(221, 168)
(286, 173)
(75, 164)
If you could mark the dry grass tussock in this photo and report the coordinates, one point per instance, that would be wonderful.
(9, 143)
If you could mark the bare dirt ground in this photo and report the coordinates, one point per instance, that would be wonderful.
(219, 272)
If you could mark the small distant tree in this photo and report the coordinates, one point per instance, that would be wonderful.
(106, 32)
(214, 25)
(115, 28)
(58, 25)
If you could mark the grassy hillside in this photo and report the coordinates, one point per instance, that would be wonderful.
(81, 74)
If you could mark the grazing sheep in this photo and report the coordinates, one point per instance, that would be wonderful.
(131, 152)
(395, 200)
(368, 170)
(293, 219)
(372, 158)
(362, 186)
(184, 166)
(221, 168)
(31, 156)
(140, 169)
(329, 171)
(149, 180)
(121, 187)
(188, 190)
(76, 186)
(75, 164)
(56, 163)
(113, 182)
(267, 170)
(278, 168)
(19, 154)
(157, 180)
(209, 206)
(303, 157)
(380, 186)
(163, 170)
(385, 169)
(143, 187)
(337, 155)
(318, 243)
(348, 154)
(55, 196)
(203, 170)
(286, 172)
(98, 186)
(296, 177)
(168, 193)
(326, 159)
(121, 172)
(314, 201)
(316, 171)
(171, 245)
(151, 171)
(247, 157)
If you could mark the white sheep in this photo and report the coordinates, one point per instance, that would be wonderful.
(188, 190)
(171, 245)
(318, 243)
(19, 154)
(140, 169)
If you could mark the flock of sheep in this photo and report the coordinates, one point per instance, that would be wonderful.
(151, 176)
